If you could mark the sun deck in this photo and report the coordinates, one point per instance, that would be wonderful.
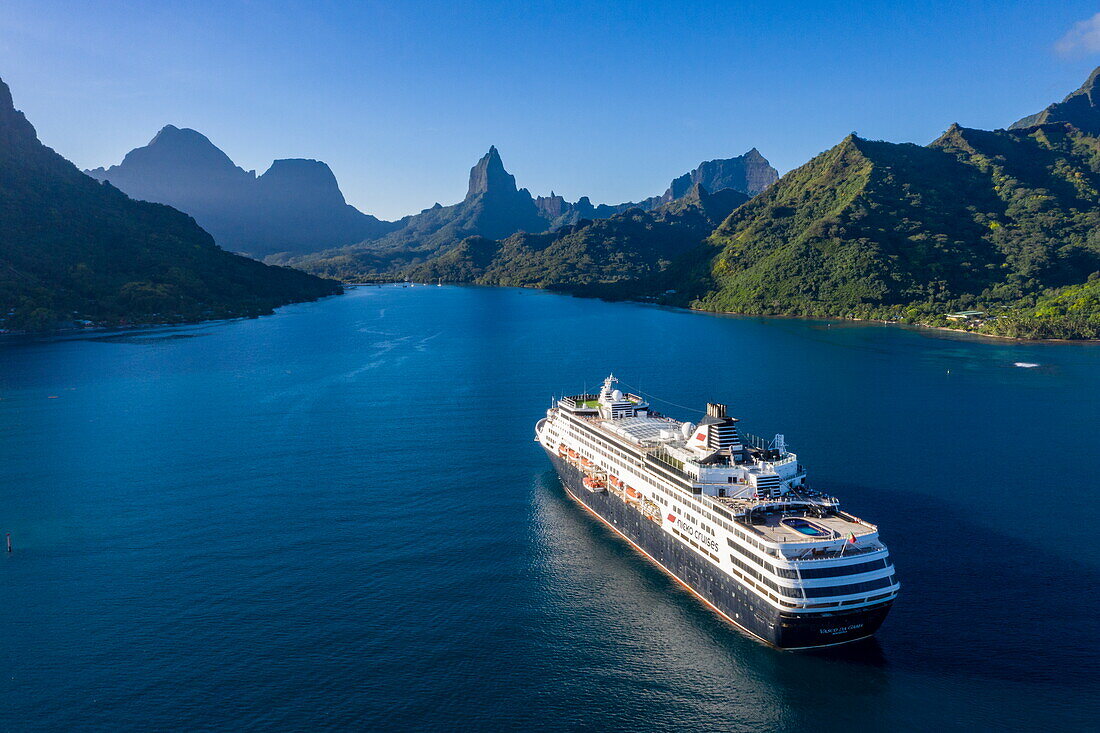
(799, 527)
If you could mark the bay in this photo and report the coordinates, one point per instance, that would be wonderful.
(336, 516)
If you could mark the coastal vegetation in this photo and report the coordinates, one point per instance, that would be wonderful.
(625, 247)
(77, 251)
(437, 241)
(1004, 225)
(992, 221)
(990, 231)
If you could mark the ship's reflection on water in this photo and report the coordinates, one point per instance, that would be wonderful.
(335, 517)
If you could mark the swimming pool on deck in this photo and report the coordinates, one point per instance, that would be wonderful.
(800, 525)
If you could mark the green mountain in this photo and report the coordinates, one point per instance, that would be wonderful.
(624, 247)
(976, 220)
(77, 249)
(1078, 109)
(494, 207)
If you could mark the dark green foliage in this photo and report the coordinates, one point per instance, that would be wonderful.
(1071, 312)
(1080, 108)
(493, 208)
(978, 219)
(72, 248)
(1004, 222)
(628, 246)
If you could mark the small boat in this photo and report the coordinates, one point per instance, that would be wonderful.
(593, 484)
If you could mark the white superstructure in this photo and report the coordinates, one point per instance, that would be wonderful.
(741, 503)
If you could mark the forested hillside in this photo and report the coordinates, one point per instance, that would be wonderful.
(627, 246)
(74, 249)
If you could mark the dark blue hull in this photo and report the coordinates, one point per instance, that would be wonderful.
(721, 591)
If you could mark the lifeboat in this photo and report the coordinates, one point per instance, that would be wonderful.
(573, 454)
(633, 494)
(615, 481)
(593, 484)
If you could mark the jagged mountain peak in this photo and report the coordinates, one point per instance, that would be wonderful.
(7, 104)
(749, 173)
(307, 180)
(74, 248)
(170, 134)
(489, 175)
(1090, 87)
(180, 148)
(1080, 108)
(295, 206)
(184, 140)
(14, 126)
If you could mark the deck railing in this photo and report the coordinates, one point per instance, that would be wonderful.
(833, 553)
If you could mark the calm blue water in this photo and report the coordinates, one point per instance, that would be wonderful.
(336, 517)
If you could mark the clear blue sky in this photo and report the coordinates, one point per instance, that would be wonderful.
(607, 100)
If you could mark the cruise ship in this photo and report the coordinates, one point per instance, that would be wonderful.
(729, 515)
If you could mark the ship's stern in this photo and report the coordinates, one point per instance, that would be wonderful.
(804, 631)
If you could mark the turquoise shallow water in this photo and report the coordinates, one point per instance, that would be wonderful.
(336, 517)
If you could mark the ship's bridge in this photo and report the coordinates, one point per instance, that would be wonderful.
(713, 455)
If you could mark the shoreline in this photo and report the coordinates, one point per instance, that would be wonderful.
(923, 326)
(162, 324)
(688, 308)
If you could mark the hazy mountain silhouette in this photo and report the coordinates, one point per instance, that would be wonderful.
(629, 245)
(295, 207)
(749, 174)
(493, 207)
(77, 249)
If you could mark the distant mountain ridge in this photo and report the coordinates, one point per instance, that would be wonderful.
(295, 207)
(749, 174)
(495, 208)
(74, 249)
(628, 245)
(1004, 222)
(1080, 108)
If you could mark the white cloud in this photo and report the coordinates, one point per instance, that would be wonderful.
(1083, 37)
